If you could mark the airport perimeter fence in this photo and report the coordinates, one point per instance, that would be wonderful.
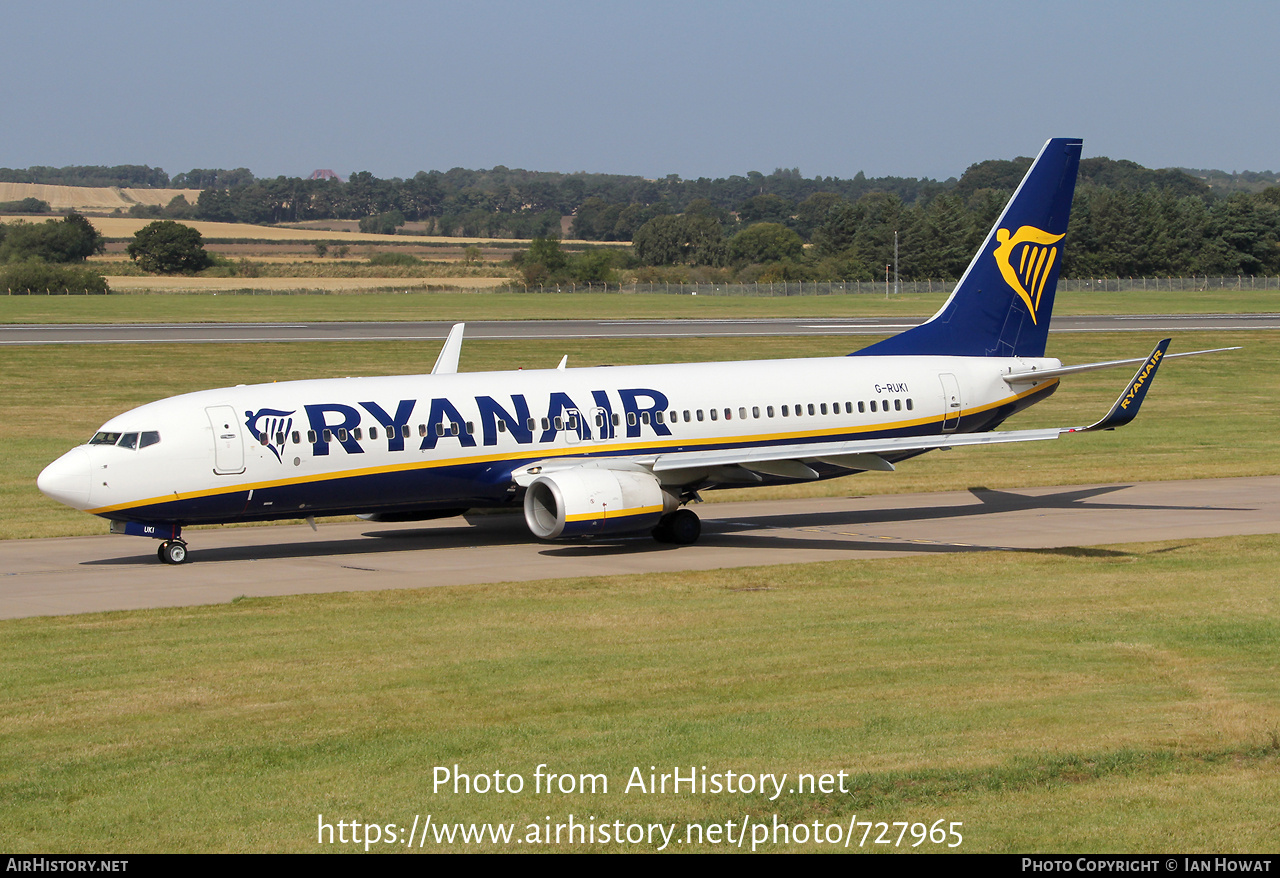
(854, 288)
(1200, 283)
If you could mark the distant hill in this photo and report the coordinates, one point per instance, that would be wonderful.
(1222, 183)
(92, 199)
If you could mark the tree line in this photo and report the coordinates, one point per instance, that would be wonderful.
(1127, 220)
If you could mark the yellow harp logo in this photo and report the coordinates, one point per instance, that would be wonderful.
(1034, 254)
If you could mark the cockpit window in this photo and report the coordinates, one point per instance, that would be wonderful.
(125, 440)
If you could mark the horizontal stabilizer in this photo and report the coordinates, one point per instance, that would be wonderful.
(1031, 375)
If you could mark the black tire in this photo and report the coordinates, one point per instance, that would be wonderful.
(680, 528)
(685, 527)
(174, 552)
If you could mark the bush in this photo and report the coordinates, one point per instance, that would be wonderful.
(72, 239)
(40, 277)
(167, 247)
(382, 223)
(394, 259)
(26, 205)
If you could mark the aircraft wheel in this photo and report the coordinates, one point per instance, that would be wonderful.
(681, 528)
(174, 552)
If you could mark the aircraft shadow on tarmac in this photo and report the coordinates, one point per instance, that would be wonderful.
(743, 530)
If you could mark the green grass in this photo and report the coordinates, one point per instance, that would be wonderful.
(1109, 699)
(165, 308)
(1206, 417)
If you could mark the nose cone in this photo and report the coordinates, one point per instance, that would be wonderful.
(67, 479)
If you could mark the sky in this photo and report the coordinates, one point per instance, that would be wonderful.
(698, 89)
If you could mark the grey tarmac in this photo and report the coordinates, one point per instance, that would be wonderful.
(226, 333)
(91, 574)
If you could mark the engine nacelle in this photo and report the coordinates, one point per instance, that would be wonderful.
(585, 501)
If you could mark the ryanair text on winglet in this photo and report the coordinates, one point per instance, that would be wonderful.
(1142, 378)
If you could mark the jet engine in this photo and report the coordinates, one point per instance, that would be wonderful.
(586, 501)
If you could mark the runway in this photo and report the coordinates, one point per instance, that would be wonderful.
(91, 574)
(229, 333)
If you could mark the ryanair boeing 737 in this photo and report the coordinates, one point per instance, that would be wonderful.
(604, 450)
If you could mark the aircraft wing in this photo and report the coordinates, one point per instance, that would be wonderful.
(788, 461)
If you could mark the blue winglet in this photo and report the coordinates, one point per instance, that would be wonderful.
(1126, 407)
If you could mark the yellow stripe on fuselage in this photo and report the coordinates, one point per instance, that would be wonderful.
(656, 445)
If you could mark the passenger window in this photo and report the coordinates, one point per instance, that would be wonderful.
(897, 405)
(910, 406)
(728, 414)
(546, 425)
(559, 423)
(755, 411)
(311, 436)
(873, 405)
(617, 419)
(687, 417)
(502, 426)
(373, 432)
(422, 429)
(699, 414)
(264, 438)
(453, 428)
(885, 403)
(714, 414)
(440, 429)
(531, 425)
(742, 413)
(404, 431)
(631, 419)
(810, 408)
(785, 412)
(644, 418)
(824, 408)
(862, 407)
(150, 437)
(657, 417)
(297, 437)
(279, 438)
(769, 411)
(357, 434)
(328, 435)
(471, 428)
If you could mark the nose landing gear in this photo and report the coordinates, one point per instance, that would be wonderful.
(172, 552)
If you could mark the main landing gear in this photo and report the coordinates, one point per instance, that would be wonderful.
(681, 528)
(172, 552)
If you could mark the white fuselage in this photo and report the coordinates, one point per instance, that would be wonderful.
(451, 441)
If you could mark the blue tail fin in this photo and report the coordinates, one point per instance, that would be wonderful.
(1002, 305)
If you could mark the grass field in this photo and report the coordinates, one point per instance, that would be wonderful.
(1109, 699)
(1202, 419)
(1117, 699)
(160, 308)
(94, 198)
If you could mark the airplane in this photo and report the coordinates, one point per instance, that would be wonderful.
(610, 449)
